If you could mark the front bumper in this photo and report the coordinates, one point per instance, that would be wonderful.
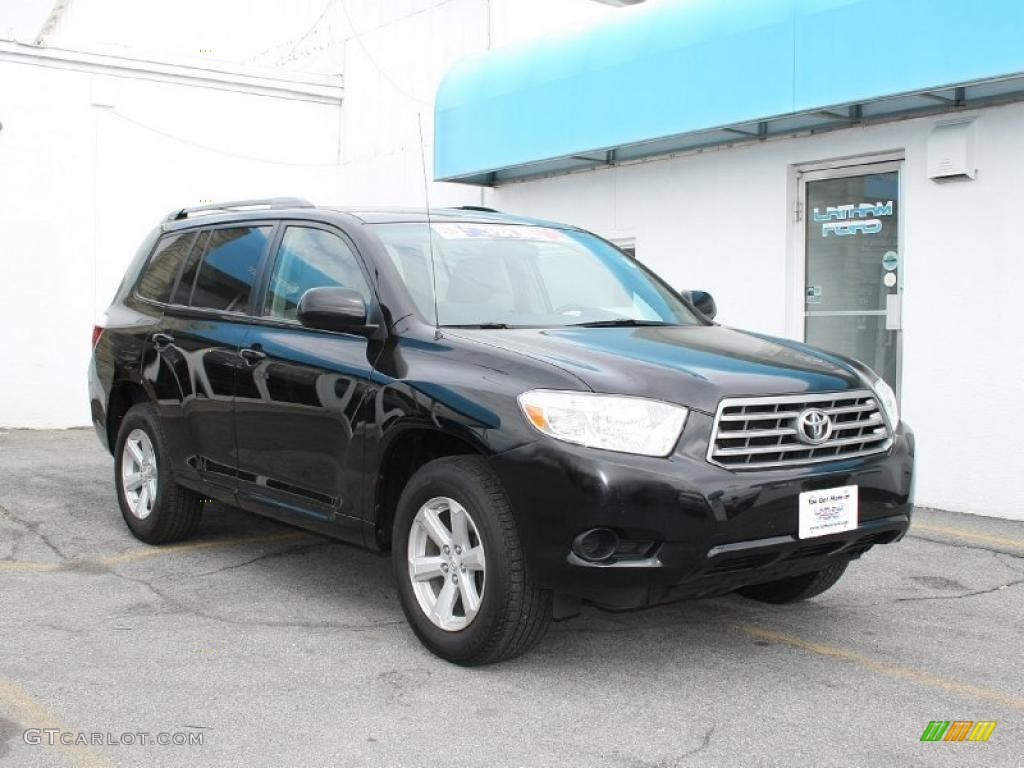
(713, 530)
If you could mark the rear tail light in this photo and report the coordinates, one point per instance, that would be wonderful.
(97, 331)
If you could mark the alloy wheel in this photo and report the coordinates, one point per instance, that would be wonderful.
(138, 473)
(446, 564)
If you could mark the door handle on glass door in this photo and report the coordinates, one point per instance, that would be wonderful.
(893, 312)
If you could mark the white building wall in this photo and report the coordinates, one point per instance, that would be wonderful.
(393, 54)
(396, 54)
(722, 221)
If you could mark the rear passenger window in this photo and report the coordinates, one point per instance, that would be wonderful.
(228, 271)
(162, 270)
(311, 258)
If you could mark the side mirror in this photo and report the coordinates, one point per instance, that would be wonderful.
(703, 301)
(333, 309)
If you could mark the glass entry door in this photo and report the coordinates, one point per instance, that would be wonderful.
(853, 265)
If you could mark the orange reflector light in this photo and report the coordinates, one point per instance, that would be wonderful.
(536, 416)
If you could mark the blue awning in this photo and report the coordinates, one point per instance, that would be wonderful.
(681, 75)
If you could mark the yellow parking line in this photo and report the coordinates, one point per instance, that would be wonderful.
(886, 667)
(29, 566)
(29, 713)
(144, 552)
(962, 533)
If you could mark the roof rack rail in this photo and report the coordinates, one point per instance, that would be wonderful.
(266, 202)
(483, 208)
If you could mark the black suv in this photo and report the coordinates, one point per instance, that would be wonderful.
(523, 415)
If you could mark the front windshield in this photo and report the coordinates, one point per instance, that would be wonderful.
(515, 275)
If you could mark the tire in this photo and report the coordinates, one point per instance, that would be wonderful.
(796, 588)
(513, 613)
(173, 512)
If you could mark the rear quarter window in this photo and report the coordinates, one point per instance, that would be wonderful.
(183, 290)
(159, 275)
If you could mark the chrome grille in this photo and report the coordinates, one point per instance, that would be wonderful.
(759, 432)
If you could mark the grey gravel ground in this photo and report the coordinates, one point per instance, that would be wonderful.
(285, 649)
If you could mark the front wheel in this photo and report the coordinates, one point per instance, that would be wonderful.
(796, 588)
(462, 576)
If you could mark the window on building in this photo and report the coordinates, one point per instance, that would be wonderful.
(159, 275)
(229, 268)
(311, 258)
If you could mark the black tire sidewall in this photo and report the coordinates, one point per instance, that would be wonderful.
(142, 417)
(440, 478)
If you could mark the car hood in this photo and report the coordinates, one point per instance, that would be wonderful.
(691, 365)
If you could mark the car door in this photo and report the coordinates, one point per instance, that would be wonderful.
(300, 403)
(199, 348)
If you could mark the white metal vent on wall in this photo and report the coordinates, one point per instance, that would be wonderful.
(951, 151)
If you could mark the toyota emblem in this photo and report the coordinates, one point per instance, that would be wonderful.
(813, 426)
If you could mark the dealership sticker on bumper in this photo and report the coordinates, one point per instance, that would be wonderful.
(830, 510)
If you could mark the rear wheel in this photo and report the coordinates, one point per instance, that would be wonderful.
(156, 509)
(462, 577)
(796, 588)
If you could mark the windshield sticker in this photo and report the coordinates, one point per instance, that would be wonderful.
(460, 231)
(890, 260)
(814, 294)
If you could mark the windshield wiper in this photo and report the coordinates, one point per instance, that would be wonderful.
(620, 322)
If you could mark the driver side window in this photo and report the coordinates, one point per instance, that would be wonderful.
(311, 258)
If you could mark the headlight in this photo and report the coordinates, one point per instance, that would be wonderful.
(887, 398)
(611, 422)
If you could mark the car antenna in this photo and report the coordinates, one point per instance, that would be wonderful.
(430, 228)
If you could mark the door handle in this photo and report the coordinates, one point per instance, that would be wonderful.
(251, 355)
(162, 339)
(893, 312)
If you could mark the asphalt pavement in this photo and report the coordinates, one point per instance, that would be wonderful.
(273, 647)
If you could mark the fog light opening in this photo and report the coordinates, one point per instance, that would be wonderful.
(596, 545)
